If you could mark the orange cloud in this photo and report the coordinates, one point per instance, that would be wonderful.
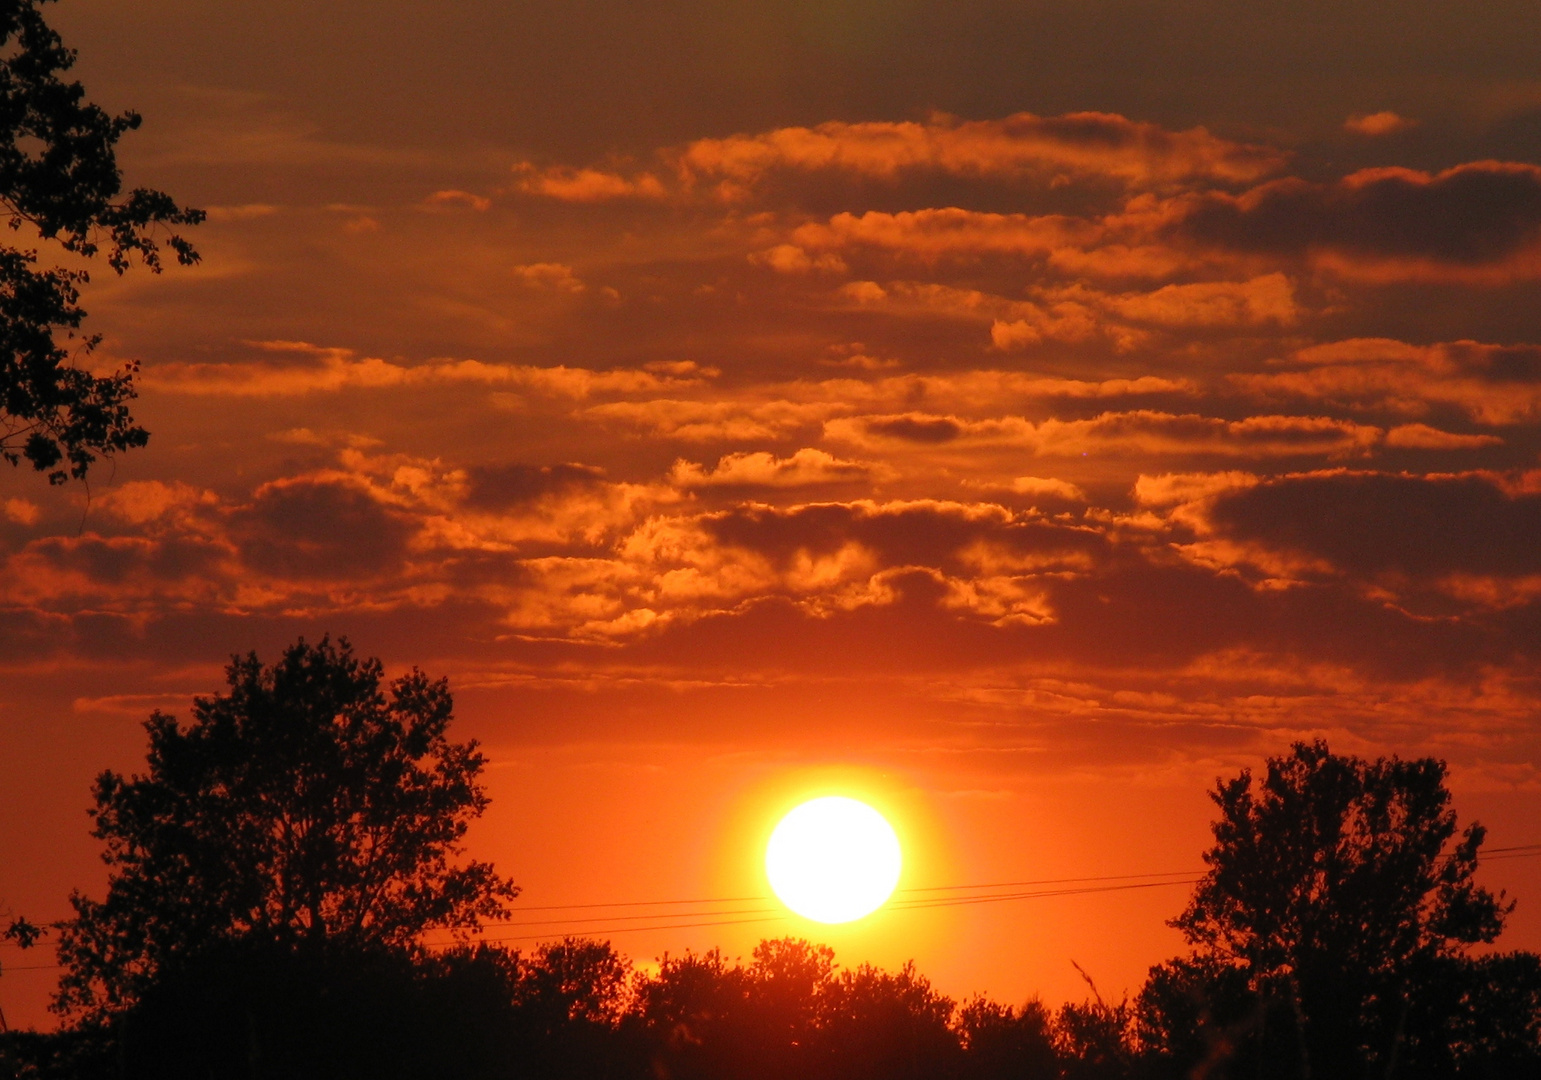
(21, 511)
(949, 231)
(1077, 144)
(585, 185)
(1493, 384)
(707, 421)
(791, 259)
(1377, 124)
(808, 467)
(557, 276)
(322, 370)
(1136, 433)
(454, 199)
(1423, 437)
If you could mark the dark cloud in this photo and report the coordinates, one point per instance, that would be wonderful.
(920, 429)
(500, 487)
(1469, 215)
(926, 534)
(1375, 524)
(320, 529)
(119, 561)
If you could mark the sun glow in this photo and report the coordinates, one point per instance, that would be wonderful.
(833, 860)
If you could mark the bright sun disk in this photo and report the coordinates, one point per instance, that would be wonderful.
(833, 860)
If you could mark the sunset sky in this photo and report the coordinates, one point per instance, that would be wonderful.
(1015, 414)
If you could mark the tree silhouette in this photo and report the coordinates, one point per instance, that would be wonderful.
(1338, 885)
(1003, 1043)
(59, 181)
(879, 1025)
(695, 1013)
(305, 809)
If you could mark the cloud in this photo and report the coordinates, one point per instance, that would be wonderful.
(558, 276)
(1128, 243)
(806, 468)
(709, 421)
(1100, 148)
(1492, 384)
(1268, 298)
(242, 212)
(1377, 124)
(791, 259)
(1169, 489)
(1479, 222)
(143, 502)
(949, 231)
(133, 574)
(585, 185)
(1423, 437)
(317, 369)
(324, 528)
(502, 486)
(1046, 487)
(21, 511)
(1021, 415)
(456, 200)
(1137, 432)
(1438, 543)
(1086, 144)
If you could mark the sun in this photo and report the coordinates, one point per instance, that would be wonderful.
(833, 860)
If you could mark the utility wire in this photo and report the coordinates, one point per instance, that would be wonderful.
(1518, 851)
(784, 916)
(902, 904)
(909, 903)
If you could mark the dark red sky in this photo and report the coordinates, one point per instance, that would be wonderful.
(1016, 413)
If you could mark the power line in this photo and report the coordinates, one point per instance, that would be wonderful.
(1175, 877)
(905, 903)
(782, 917)
(1517, 851)
(765, 899)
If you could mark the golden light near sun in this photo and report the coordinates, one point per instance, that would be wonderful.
(833, 860)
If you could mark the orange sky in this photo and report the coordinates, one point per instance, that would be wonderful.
(1016, 413)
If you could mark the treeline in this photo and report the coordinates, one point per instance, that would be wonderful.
(276, 869)
(577, 1010)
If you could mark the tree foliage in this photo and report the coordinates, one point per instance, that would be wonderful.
(309, 807)
(60, 182)
(1340, 893)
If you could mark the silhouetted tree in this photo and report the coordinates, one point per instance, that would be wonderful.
(1199, 1016)
(879, 1025)
(570, 1000)
(695, 1013)
(1002, 1043)
(1338, 887)
(59, 180)
(1096, 1040)
(254, 1010)
(23, 934)
(789, 985)
(306, 809)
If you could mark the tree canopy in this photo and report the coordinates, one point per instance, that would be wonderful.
(1340, 892)
(307, 808)
(60, 182)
